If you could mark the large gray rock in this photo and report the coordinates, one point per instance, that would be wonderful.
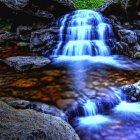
(23, 63)
(31, 125)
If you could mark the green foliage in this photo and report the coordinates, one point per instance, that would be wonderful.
(88, 4)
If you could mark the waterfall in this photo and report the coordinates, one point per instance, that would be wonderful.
(83, 32)
(86, 35)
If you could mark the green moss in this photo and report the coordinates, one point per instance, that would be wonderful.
(88, 4)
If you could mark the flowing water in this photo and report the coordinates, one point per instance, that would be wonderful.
(86, 37)
(84, 32)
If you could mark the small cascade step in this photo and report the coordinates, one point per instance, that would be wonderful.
(97, 106)
(84, 47)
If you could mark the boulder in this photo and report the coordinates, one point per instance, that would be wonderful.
(28, 125)
(23, 63)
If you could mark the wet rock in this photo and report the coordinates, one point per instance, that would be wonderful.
(44, 39)
(138, 34)
(124, 17)
(23, 63)
(24, 32)
(120, 47)
(27, 16)
(120, 7)
(127, 36)
(29, 124)
(42, 9)
(137, 47)
(37, 106)
(16, 5)
(22, 44)
(19, 104)
(137, 55)
(40, 107)
(132, 91)
(7, 36)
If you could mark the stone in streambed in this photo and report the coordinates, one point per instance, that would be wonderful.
(23, 63)
(28, 124)
(132, 91)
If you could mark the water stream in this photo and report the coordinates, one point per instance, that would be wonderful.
(86, 39)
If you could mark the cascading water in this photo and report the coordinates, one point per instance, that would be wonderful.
(92, 110)
(85, 35)
(84, 32)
